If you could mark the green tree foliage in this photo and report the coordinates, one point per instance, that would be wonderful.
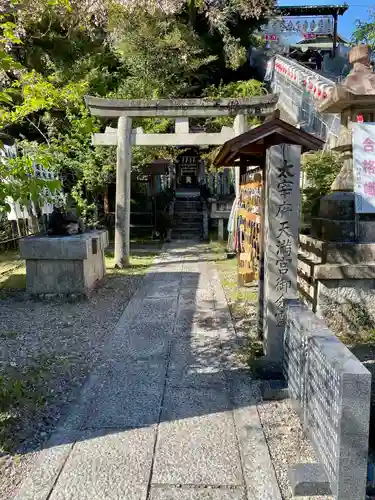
(365, 31)
(58, 56)
(163, 57)
(221, 20)
(249, 88)
(321, 169)
(53, 52)
(17, 176)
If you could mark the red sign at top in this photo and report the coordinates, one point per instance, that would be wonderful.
(309, 36)
(271, 38)
(360, 119)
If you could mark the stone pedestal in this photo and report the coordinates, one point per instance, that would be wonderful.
(331, 390)
(337, 281)
(64, 265)
(338, 220)
(337, 265)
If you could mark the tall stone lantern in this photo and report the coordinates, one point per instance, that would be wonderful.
(337, 262)
(355, 96)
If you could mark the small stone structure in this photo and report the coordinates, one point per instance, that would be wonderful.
(220, 211)
(64, 265)
(332, 391)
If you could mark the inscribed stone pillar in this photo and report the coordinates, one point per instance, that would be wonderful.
(221, 229)
(211, 184)
(226, 181)
(218, 184)
(281, 229)
(123, 186)
(240, 127)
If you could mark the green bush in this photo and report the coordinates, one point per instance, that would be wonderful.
(163, 222)
(321, 169)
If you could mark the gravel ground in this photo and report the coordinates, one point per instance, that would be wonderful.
(47, 351)
(281, 424)
(286, 442)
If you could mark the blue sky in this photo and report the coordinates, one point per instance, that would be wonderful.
(357, 10)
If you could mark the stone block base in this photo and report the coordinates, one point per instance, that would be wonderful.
(67, 297)
(348, 305)
(267, 369)
(308, 480)
(274, 390)
(62, 266)
(337, 281)
(333, 230)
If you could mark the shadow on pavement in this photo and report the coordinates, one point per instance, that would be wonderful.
(172, 357)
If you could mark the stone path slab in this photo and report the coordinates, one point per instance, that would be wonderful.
(169, 411)
(111, 467)
(171, 493)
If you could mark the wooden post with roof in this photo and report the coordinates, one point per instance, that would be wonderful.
(276, 146)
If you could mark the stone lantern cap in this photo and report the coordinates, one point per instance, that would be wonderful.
(358, 88)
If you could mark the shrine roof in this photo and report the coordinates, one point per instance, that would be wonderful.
(312, 10)
(321, 39)
(253, 144)
(160, 166)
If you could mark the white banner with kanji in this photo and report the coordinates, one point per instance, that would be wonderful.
(364, 167)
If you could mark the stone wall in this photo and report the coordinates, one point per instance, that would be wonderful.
(347, 305)
(332, 390)
(337, 282)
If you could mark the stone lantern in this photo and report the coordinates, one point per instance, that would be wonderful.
(355, 96)
(337, 262)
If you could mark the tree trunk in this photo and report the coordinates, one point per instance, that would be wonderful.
(192, 10)
(106, 201)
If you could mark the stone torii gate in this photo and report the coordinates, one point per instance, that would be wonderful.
(178, 109)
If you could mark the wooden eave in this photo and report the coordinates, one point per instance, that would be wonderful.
(257, 140)
(158, 167)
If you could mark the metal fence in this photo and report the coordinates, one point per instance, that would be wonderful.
(300, 105)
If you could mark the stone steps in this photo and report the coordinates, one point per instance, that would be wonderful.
(183, 219)
(187, 218)
(187, 203)
(189, 227)
(185, 235)
(188, 214)
(189, 209)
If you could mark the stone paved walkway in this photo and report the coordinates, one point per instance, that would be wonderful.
(168, 413)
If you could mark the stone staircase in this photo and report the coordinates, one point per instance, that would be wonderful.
(187, 219)
(299, 107)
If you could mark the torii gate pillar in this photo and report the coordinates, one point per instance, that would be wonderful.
(123, 191)
(240, 126)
